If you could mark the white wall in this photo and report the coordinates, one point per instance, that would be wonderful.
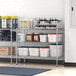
(70, 35)
(32, 8)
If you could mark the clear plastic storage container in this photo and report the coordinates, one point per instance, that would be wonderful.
(54, 37)
(23, 51)
(43, 37)
(56, 51)
(44, 51)
(34, 51)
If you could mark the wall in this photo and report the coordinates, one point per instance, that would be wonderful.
(32, 8)
(70, 35)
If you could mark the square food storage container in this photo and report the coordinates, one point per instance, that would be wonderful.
(54, 37)
(56, 50)
(43, 37)
(44, 51)
(34, 51)
(23, 51)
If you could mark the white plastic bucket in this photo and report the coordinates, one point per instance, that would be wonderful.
(21, 37)
(43, 38)
(54, 37)
(20, 53)
(34, 51)
(56, 51)
(23, 51)
(44, 51)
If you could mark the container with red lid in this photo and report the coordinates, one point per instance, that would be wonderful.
(44, 51)
(55, 37)
(36, 37)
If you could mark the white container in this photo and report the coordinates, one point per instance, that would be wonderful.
(34, 51)
(43, 38)
(20, 52)
(54, 52)
(21, 37)
(23, 51)
(44, 51)
(54, 37)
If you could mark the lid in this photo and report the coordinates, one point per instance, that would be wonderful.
(21, 34)
(14, 17)
(36, 33)
(54, 33)
(5, 17)
(56, 44)
(43, 34)
(23, 47)
(44, 47)
(33, 46)
(29, 34)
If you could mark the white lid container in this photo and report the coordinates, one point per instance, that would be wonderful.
(23, 51)
(44, 51)
(20, 53)
(21, 37)
(33, 51)
(54, 52)
(43, 37)
(54, 37)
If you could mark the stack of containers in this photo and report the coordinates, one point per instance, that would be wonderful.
(44, 51)
(34, 51)
(55, 37)
(56, 50)
(9, 22)
(43, 37)
(13, 22)
(23, 51)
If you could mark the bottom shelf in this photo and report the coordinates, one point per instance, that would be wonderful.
(31, 57)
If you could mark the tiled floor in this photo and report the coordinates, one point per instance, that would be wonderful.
(56, 71)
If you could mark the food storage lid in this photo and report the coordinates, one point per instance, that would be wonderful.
(56, 44)
(33, 46)
(5, 17)
(54, 33)
(23, 47)
(43, 34)
(14, 17)
(21, 33)
(44, 47)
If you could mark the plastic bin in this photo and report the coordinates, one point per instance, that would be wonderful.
(43, 37)
(34, 51)
(54, 52)
(23, 51)
(7, 51)
(29, 37)
(36, 37)
(44, 51)
(21, 37)
(52, 37)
